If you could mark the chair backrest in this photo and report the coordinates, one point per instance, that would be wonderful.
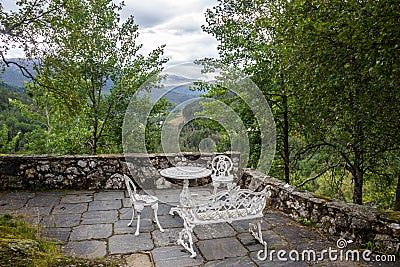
(221, 165)
(131, 187)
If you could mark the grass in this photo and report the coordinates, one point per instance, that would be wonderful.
(307, 222)
(21, 245)
(370, 245)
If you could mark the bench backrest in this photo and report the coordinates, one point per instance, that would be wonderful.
(230, 205)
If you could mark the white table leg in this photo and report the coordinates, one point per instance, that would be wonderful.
(185, 199)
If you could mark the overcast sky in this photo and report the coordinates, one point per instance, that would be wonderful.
(177, 24)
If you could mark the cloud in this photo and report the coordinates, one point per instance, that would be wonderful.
(148, 13)
(177, 24)
(181, 32)
(182, 25)
(9, 5)
(182, 44)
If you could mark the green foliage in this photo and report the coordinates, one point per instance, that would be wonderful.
(16, 228)
(307, 222)
(338, 52)
(370, 245)
(12, 91)
(227, 130)
(252, 39)
(329, 71)
(154, 123)
(6, 145)
(200, 129)
(21, 245)
(380, 187)
(18, 117)
(89, 68)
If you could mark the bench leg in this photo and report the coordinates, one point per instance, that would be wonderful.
(186, 239)
(185, 235)
(255, 230)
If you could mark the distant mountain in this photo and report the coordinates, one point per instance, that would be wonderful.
(177, 98)
(12, 87)
(186, 89)
(12, 75)
(13, 79)
(180, 89)
(181, 93)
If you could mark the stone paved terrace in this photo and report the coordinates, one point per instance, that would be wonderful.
(94, 224)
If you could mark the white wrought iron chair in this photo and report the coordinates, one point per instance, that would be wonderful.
(221, 167)
(139, 202)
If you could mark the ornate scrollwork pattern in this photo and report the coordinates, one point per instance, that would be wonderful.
(185, 238)
(229, 205)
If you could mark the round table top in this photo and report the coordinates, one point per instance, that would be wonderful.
(186, 172)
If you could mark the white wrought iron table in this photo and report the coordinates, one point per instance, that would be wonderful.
(185, 173)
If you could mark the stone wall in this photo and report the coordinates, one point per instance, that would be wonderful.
(354, 222)
(30, 172)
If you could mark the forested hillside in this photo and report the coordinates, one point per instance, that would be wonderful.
(16, 119)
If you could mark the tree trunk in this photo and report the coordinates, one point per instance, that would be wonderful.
(94, 147)
(358, 187)
(358, 176)
(397, 200)
(286, 151)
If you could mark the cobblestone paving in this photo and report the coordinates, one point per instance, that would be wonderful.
(94, 224)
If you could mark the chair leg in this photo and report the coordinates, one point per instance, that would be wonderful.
(133, 216)
(138, 224)
(155, 209)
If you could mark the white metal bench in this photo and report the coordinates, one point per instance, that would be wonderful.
(225, 206)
